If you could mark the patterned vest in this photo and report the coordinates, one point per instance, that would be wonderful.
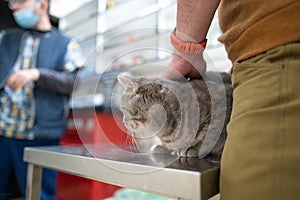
(50, 107)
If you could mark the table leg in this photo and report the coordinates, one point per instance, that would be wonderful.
(34, 181)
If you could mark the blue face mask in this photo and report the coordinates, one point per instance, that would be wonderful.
(26, 18)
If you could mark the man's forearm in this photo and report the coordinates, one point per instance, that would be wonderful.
(60, 82)
(195, 16)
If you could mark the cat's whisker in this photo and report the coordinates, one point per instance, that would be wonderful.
(130, 139)
(134, 142)
(138, 146)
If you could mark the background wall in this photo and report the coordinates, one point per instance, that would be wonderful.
(6, 18)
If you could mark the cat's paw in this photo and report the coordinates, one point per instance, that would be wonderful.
(160, 149)
(190, 152)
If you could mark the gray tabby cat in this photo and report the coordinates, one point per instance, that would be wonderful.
(188, 118)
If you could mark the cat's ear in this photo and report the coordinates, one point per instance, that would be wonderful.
(128, 82)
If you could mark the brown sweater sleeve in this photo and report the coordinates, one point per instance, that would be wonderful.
(252, 27)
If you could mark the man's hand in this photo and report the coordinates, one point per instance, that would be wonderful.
(20, 78)
(185, 65)
(180, 67)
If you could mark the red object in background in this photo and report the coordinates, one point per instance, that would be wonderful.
(92, 128)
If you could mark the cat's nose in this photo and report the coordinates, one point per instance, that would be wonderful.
(130, 125)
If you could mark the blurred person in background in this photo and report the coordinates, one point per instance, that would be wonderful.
(262, 38)
(38, 68)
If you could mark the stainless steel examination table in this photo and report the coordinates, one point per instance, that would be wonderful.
(165, 175)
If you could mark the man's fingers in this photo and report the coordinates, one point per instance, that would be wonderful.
(16, 80)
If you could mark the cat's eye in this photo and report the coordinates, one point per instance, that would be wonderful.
(123, 109)
(129, 111)
(133, 112)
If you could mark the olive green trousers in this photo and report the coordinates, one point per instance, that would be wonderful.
(261, 158)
